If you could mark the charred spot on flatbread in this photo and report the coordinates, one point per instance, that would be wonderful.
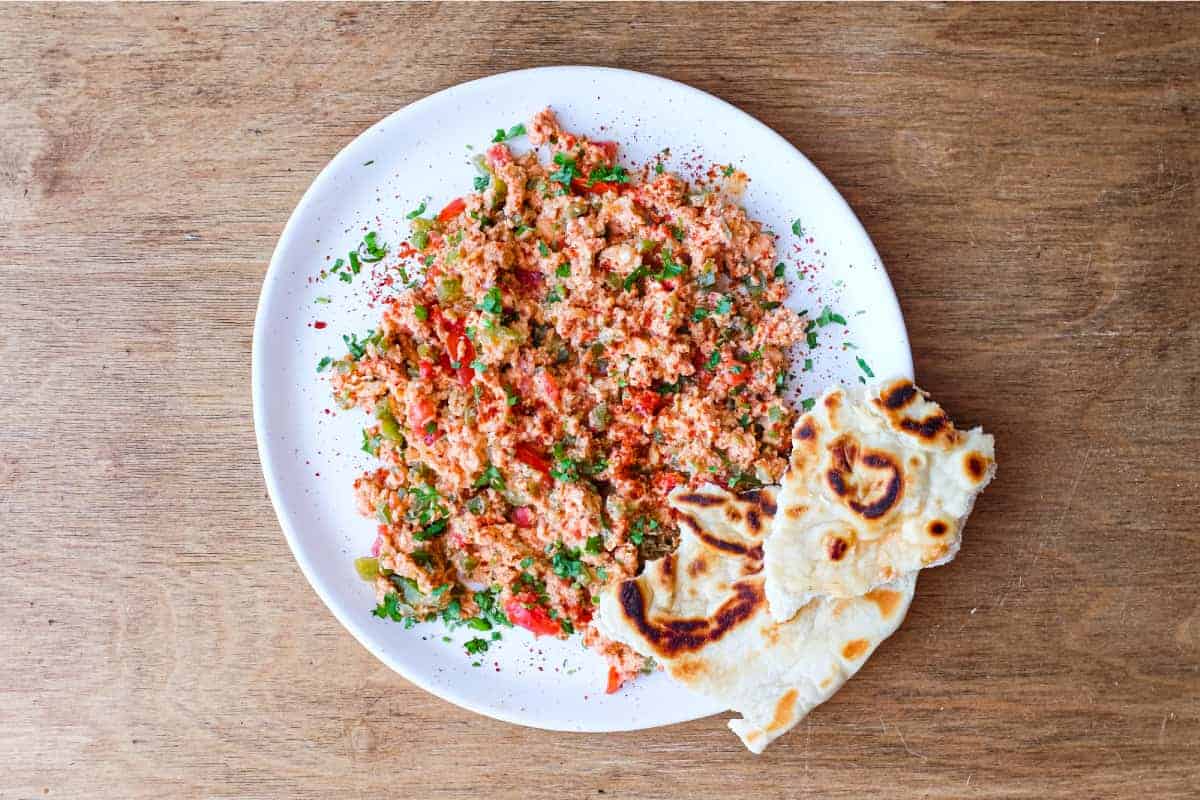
(670, 637)
(855, 649)
(886, 599)
(785, 709)
(837, 548)
(698, 499)
(976, 466)
(897, 396)
(872, 498)
(763, 500)
(698, 567)
(737, 548)
(807, 430)
(937, 527)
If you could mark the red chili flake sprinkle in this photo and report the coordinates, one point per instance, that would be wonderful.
(319, 325)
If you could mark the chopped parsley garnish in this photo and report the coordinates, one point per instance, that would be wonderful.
(491, 301)
(511, 398)
(416, 212)
(594, 544)
(421, 313)
(780, 269)
(566, 171)
(808, 403)
(388, 609)
(481, 182)
(490, 477)
(727, 170)
(808, 365)
(478, 366)
(355, 262)
(743, 480)
(811, 339)
(632, 278)
(512, 133)
(554, 295)
(375, 250)
(713, 360)
(671, 388)
(863, 365)
(563, 270)
(724, 306)
(613, 174)
(476, 645)
(345, 277)
(358, 348)
(566, 563)
(565, 468)
(797, 228)
(370, 444)
(322, 300)
(543, 250)
(640, 528)
(829, 316)
(699, 314)
(421, 558)
(670, 267)
(432, 530)
(324, 363)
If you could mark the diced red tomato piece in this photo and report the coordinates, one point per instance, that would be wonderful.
(531, 458)
(427, 369)
(523, 517)
(646, 401)
(420, 413)
(548, 387)
(452, 210)
(462, 351)
(498, 155)
(668, 480)
(614, 681)
(599, 187)
(523, 610)
(738, 378)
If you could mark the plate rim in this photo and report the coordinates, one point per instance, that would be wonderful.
(273, 277)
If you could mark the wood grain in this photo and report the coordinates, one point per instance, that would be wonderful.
(1029, 174)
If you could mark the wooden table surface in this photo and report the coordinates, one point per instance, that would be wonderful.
(1029, 174)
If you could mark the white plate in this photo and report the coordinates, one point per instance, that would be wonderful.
(311, 456)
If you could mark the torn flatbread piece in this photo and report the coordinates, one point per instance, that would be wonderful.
(701, 612)
(879, 485)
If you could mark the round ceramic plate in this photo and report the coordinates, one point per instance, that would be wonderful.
(310, 448)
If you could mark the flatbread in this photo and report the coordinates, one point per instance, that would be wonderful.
(701, 612)
(879, 485)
